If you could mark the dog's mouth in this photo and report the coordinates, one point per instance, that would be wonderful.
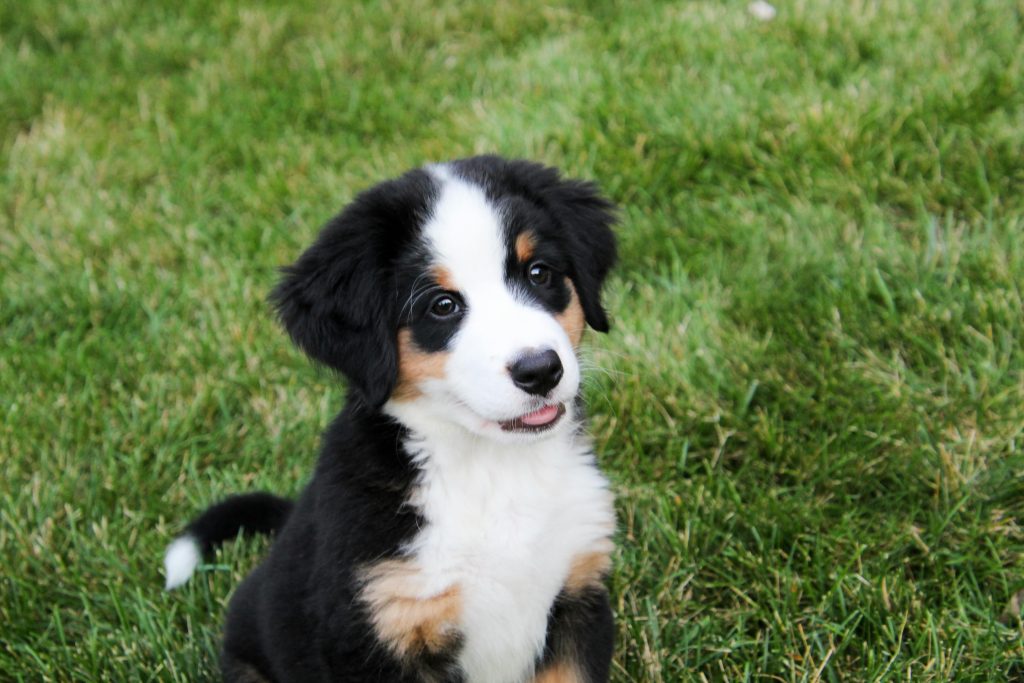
(537, 421)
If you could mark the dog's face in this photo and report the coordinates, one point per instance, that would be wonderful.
(458, 294)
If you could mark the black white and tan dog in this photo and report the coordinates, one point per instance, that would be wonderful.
(456, 527)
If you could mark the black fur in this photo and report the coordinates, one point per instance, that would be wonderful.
(338, 301)
(252, 513)
(297, 616)
(581, 631)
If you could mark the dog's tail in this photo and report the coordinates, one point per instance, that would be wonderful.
(260, 513)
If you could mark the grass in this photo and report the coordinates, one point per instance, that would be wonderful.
(812, 401)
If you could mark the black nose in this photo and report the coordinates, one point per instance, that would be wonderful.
(537, 373)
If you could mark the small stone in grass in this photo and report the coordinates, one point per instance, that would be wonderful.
(1014, 608)
(762, 10)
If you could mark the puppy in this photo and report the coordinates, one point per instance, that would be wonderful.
(456, 527)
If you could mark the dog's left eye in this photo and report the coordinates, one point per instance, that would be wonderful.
(444, 306)
(539, 274)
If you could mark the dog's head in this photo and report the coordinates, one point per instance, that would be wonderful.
(458, 294)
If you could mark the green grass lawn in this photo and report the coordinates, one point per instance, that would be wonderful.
(811, 403)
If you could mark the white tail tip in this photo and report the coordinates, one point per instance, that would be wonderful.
(180, 560)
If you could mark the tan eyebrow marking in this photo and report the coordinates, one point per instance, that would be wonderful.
(526, 245)
(444, 278)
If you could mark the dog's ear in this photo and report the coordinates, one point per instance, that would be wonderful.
(332, 302)
(586, 218)
(337, 301)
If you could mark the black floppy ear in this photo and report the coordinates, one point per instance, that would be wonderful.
(338, 307)
(338, 301)
(586, 218)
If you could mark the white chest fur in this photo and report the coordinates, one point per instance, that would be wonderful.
(504, 524)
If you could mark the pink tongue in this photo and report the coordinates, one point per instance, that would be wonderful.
(540, 417)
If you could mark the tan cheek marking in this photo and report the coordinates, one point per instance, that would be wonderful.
(525, 246)
(572, 319)
(414, 367)
(559, 673)
(589, 569)
(404, 621)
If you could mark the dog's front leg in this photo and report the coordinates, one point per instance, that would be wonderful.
(580, 638)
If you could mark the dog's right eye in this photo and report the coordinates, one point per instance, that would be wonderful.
(444, 306)
(539, 274)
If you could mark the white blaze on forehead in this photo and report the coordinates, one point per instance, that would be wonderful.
(465, 233)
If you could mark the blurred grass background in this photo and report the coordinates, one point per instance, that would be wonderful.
(812, 401)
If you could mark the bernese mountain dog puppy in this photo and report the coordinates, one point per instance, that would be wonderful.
(456, 527)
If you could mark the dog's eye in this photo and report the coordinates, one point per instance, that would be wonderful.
(444, 306)
(539, 274)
